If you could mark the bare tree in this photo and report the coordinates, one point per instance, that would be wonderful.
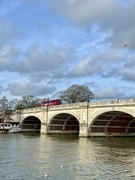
(28, 101)
(76, 93)
(5, 109)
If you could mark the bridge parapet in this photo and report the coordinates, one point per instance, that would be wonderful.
(36, 109)
(68, 106)
(118, 102)
(113, 102)
(96, 103)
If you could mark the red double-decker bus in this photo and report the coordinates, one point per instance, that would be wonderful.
(51, 102)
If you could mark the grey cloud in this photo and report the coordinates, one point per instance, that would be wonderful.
(8, 57)
(41, 60)
(111, 15)
(127, 74)
(127, 71)
(98, 64)
(37, 63)
(124, 37)
(55, 75)
(85, 12)
(110, 92)
(26, 88)
(130, 63)
(7, 31)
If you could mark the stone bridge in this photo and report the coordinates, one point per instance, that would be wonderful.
(88, 119)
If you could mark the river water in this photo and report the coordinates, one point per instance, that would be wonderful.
(55, 157)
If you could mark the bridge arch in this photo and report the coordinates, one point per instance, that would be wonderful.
(31, 124)
(113, 123)
(63, 123)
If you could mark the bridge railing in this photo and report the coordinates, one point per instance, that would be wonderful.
(29, 110)
(97, 103)
(84, 104)
(113, 102)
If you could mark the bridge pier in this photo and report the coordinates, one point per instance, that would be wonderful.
(43, 128)
(83, 130)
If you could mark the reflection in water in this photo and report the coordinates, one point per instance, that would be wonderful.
(30, 157)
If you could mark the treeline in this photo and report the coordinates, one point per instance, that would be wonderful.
(73, 94)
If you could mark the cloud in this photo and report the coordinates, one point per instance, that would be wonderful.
(8, 57)
(127, 72)
(44, 63)
(8, 31)
(98, 64)
(37, 63)
(86, 12)
(112, 16)
(41, 60)
(128, 75)
(27, 88)
(51, 44)
(111, 92)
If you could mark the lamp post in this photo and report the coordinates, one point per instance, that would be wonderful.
(19, 111)
(47, 108)
(88, 100)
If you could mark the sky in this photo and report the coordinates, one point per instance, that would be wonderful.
(46, 46)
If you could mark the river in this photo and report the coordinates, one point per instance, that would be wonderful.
(66, 157)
